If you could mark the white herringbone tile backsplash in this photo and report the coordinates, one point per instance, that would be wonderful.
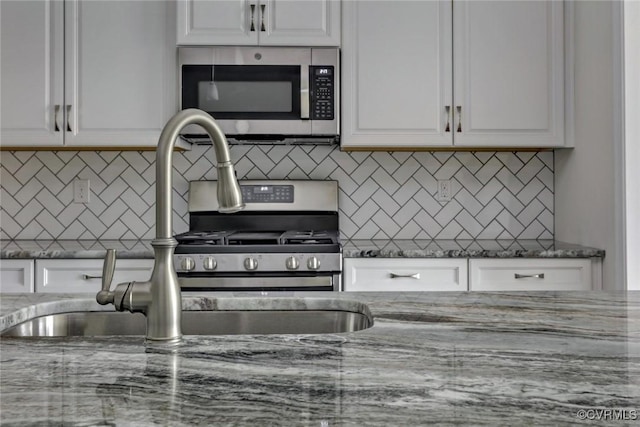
(496, 195)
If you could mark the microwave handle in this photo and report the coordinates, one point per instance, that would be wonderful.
(304, 92)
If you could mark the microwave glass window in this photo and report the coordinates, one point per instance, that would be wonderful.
(237, 92)
(242, 96)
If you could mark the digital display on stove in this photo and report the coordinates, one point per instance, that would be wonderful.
(262, 189)
(267, 193)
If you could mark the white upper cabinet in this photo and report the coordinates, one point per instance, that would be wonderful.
(398, 86)
(509, 73)
(91, 74)
(31, 73)
(120, 62)
(259, 22)
(396, 73)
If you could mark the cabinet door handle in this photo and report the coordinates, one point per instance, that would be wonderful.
(56, 113)
(407, 276)
(89, 277)
(447, 109)
(69, 118)
(253, 17)
(532, 276)
(304, 92)
(459, 108)
(262, 27)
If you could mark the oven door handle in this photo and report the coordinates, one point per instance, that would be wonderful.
(304, 92)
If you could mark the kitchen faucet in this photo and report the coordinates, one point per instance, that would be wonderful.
(160, 298)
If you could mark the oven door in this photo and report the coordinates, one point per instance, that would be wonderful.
(248, 90)
(259, 282)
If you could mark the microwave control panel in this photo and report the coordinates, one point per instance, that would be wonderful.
(322, 90)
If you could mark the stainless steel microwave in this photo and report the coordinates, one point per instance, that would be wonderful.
(263, 94)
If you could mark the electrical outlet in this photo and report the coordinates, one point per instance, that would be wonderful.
(444, 190)
(81, 191)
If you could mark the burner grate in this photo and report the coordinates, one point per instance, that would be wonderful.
(308, 238)
(254, 238)
(206, 238)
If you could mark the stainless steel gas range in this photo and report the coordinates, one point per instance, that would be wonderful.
(286, 238)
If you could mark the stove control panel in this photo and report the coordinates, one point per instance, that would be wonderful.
(257, 263)
(267, 193)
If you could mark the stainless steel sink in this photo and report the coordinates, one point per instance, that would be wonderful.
(110, 323)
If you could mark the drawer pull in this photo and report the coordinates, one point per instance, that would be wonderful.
(89, 277)
(526, 276)
(407, 276)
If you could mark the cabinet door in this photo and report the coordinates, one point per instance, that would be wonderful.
(530, 275)
(396, 73)
(405, 274)
(509, 73)
(31, 73)
(299, 23)
(220, 22)
(16, 275)
(84, 275)
(120, 71)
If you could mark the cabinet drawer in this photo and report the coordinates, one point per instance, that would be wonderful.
(530, 274)
(405, 274)
(67, 276)
(16, 275)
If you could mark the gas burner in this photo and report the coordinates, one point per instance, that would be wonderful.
(308, 238)
(254, 238)
(206, 238)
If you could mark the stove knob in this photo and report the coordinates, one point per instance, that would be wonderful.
(250, 263)
(209, 263)
(313, 263)
(292, 263)
(187, 264)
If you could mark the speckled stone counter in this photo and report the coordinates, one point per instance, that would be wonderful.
(51, 249)
(466, 249)
(34, 249)
(430, 358)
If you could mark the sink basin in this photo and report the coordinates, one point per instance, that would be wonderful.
(233, 322)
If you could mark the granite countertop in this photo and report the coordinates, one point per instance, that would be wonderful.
(547, 358)
(51, 249)
(38, 249)
(466, 249)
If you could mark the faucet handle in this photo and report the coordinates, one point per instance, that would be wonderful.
(105, 296)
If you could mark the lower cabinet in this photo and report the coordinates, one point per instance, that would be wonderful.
(85, 275)
(405, 274)
(16, 275)
(462, 274)
(530, 275)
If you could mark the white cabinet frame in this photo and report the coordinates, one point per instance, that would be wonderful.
(16, 275)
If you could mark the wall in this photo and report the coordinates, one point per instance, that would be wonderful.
(497, 195)
(585, 176)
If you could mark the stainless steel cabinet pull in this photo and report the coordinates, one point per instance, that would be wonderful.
(525, 276)
(69, 118)
(253, 16)
(56, 113)
(447, 109)
(407, 276)
(89, 277)
(262, 27)
(459, 108)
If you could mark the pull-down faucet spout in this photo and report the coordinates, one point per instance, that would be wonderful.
(160, 298)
